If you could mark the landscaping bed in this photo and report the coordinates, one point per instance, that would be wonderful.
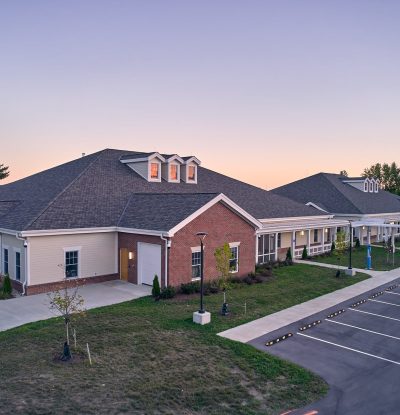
(148, 356)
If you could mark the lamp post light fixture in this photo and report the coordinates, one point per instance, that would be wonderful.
(202, 316)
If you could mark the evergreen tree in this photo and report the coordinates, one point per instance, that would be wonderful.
(7, 288)
(289, 258)
(304, 255)
(155, 292)
(4, 172)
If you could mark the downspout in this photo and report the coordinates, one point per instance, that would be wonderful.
(167, 242)
(24, 285)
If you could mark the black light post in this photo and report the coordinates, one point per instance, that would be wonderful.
(351, 244)
(202, 236)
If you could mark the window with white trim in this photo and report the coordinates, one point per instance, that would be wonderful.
(18, 266)
(376, 187)
(71, 264)
(154, 170)
(191, 173)
(234, 261)
(279, 243)
(196, 264)
(5, 261)
(371, 186)
(366, 186)
(173, 172)
(315, 235)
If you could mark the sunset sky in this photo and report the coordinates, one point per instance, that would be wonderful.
(264, 91)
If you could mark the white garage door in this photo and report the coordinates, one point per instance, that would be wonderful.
(149, 263)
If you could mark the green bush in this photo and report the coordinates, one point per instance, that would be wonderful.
(7, 288)
(212, 287)
(155, 292)
(304, 255)
(357, 243)
(190, 288)
(333, 247)
(289, 258)
(168, 292)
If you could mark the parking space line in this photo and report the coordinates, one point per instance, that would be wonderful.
(360, 328)
(391, 292)
(384, 302)
(373, 314)
(349, 348)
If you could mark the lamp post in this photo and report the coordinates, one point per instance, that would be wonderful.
(201, 316)
(349, 270)
(202, 236)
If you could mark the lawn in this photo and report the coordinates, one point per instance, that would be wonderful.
(149, 358)
(380, 259)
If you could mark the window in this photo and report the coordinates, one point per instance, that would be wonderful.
(18, 266)
(196, 264)
(376, 187)
(192, 173)
(154, 170)
(328, 234)
(234, 261)
(5, 261)
(71, 264)
(279, 240)
(315, 235)
(266, 248)
(366, 186)
(173, 172)
(371, 186)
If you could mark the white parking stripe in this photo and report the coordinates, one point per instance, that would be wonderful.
(349, 348)
(391, 292)
(360, 328)
(384, 302)
(373, 314)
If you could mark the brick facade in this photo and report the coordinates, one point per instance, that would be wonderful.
(222, 225)
(130, 241)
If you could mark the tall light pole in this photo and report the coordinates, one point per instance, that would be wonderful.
(202, 236)
(351, 244)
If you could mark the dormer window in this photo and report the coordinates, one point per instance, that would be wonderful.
(154, 171)
(173, 172)
(376, 187)
(371, 186)
(192, 173)
(366, 186)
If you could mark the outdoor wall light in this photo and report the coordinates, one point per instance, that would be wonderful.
(130, 255)
(326, 230)
(302, 233)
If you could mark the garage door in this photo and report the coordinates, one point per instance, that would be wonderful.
(149, 262)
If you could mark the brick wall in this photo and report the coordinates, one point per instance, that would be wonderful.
(130, 241)
(222, 225)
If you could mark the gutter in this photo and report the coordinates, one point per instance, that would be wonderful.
(24, 285)
(167, 245)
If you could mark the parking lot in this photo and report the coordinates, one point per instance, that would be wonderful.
(357, 351)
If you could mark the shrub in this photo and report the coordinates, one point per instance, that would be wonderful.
(304, 255)
(258, 279)
(289, 258)
(155, 292)
(7, 288)
(248, 280)
(212, 287)
(235, 280)
(333, 247)
(190, 288)
(357, 243)
(168, 292)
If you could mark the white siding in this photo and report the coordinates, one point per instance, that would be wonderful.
(14, 245)
(141, 168)
(97, 256)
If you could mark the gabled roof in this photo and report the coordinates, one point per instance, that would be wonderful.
(330, 192)
(94, 191)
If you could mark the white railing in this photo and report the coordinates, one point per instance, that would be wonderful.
(314, 250)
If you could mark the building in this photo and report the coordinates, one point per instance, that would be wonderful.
(132, 215)
(374, 212)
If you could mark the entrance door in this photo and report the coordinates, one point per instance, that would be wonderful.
(123, 264)
(149, 263)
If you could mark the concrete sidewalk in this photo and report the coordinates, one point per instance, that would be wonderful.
(321, 264)
(18, 311)
(272, 322)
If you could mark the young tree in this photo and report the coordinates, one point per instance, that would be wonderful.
(7, 288)
(340, 246)
(304, 254)
(70, 305)
(155, 292)
(4, 171)
(222, 256)
(289, 258)
(344, 173)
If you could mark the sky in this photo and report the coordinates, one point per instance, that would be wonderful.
(264, 91)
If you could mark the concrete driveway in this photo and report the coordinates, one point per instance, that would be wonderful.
(22, 310)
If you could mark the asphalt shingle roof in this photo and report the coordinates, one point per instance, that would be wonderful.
(94, 191)
(329, 191)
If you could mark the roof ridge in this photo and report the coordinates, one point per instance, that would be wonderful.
(338, 190)
(64, 190)
(125, 207)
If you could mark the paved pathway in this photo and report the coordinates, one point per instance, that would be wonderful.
(18, 311)
(321, 264)
(252, 330)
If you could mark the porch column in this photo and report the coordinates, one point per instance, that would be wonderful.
(393, 244)
(293, 243)
(361, 235)
(276, 247)
(323, 239)
(369, 235)
(335, 234)
(309, 241)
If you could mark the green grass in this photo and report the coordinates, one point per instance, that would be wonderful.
(149, 358)
(380, 259)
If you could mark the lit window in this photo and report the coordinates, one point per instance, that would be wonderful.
(192, 173)
(5, 261)
(196, 264)
(17, 266)
(71, 264)
(154, 170)
(173, 172)
(233, 262)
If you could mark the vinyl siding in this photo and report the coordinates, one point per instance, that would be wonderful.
(14, 245)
